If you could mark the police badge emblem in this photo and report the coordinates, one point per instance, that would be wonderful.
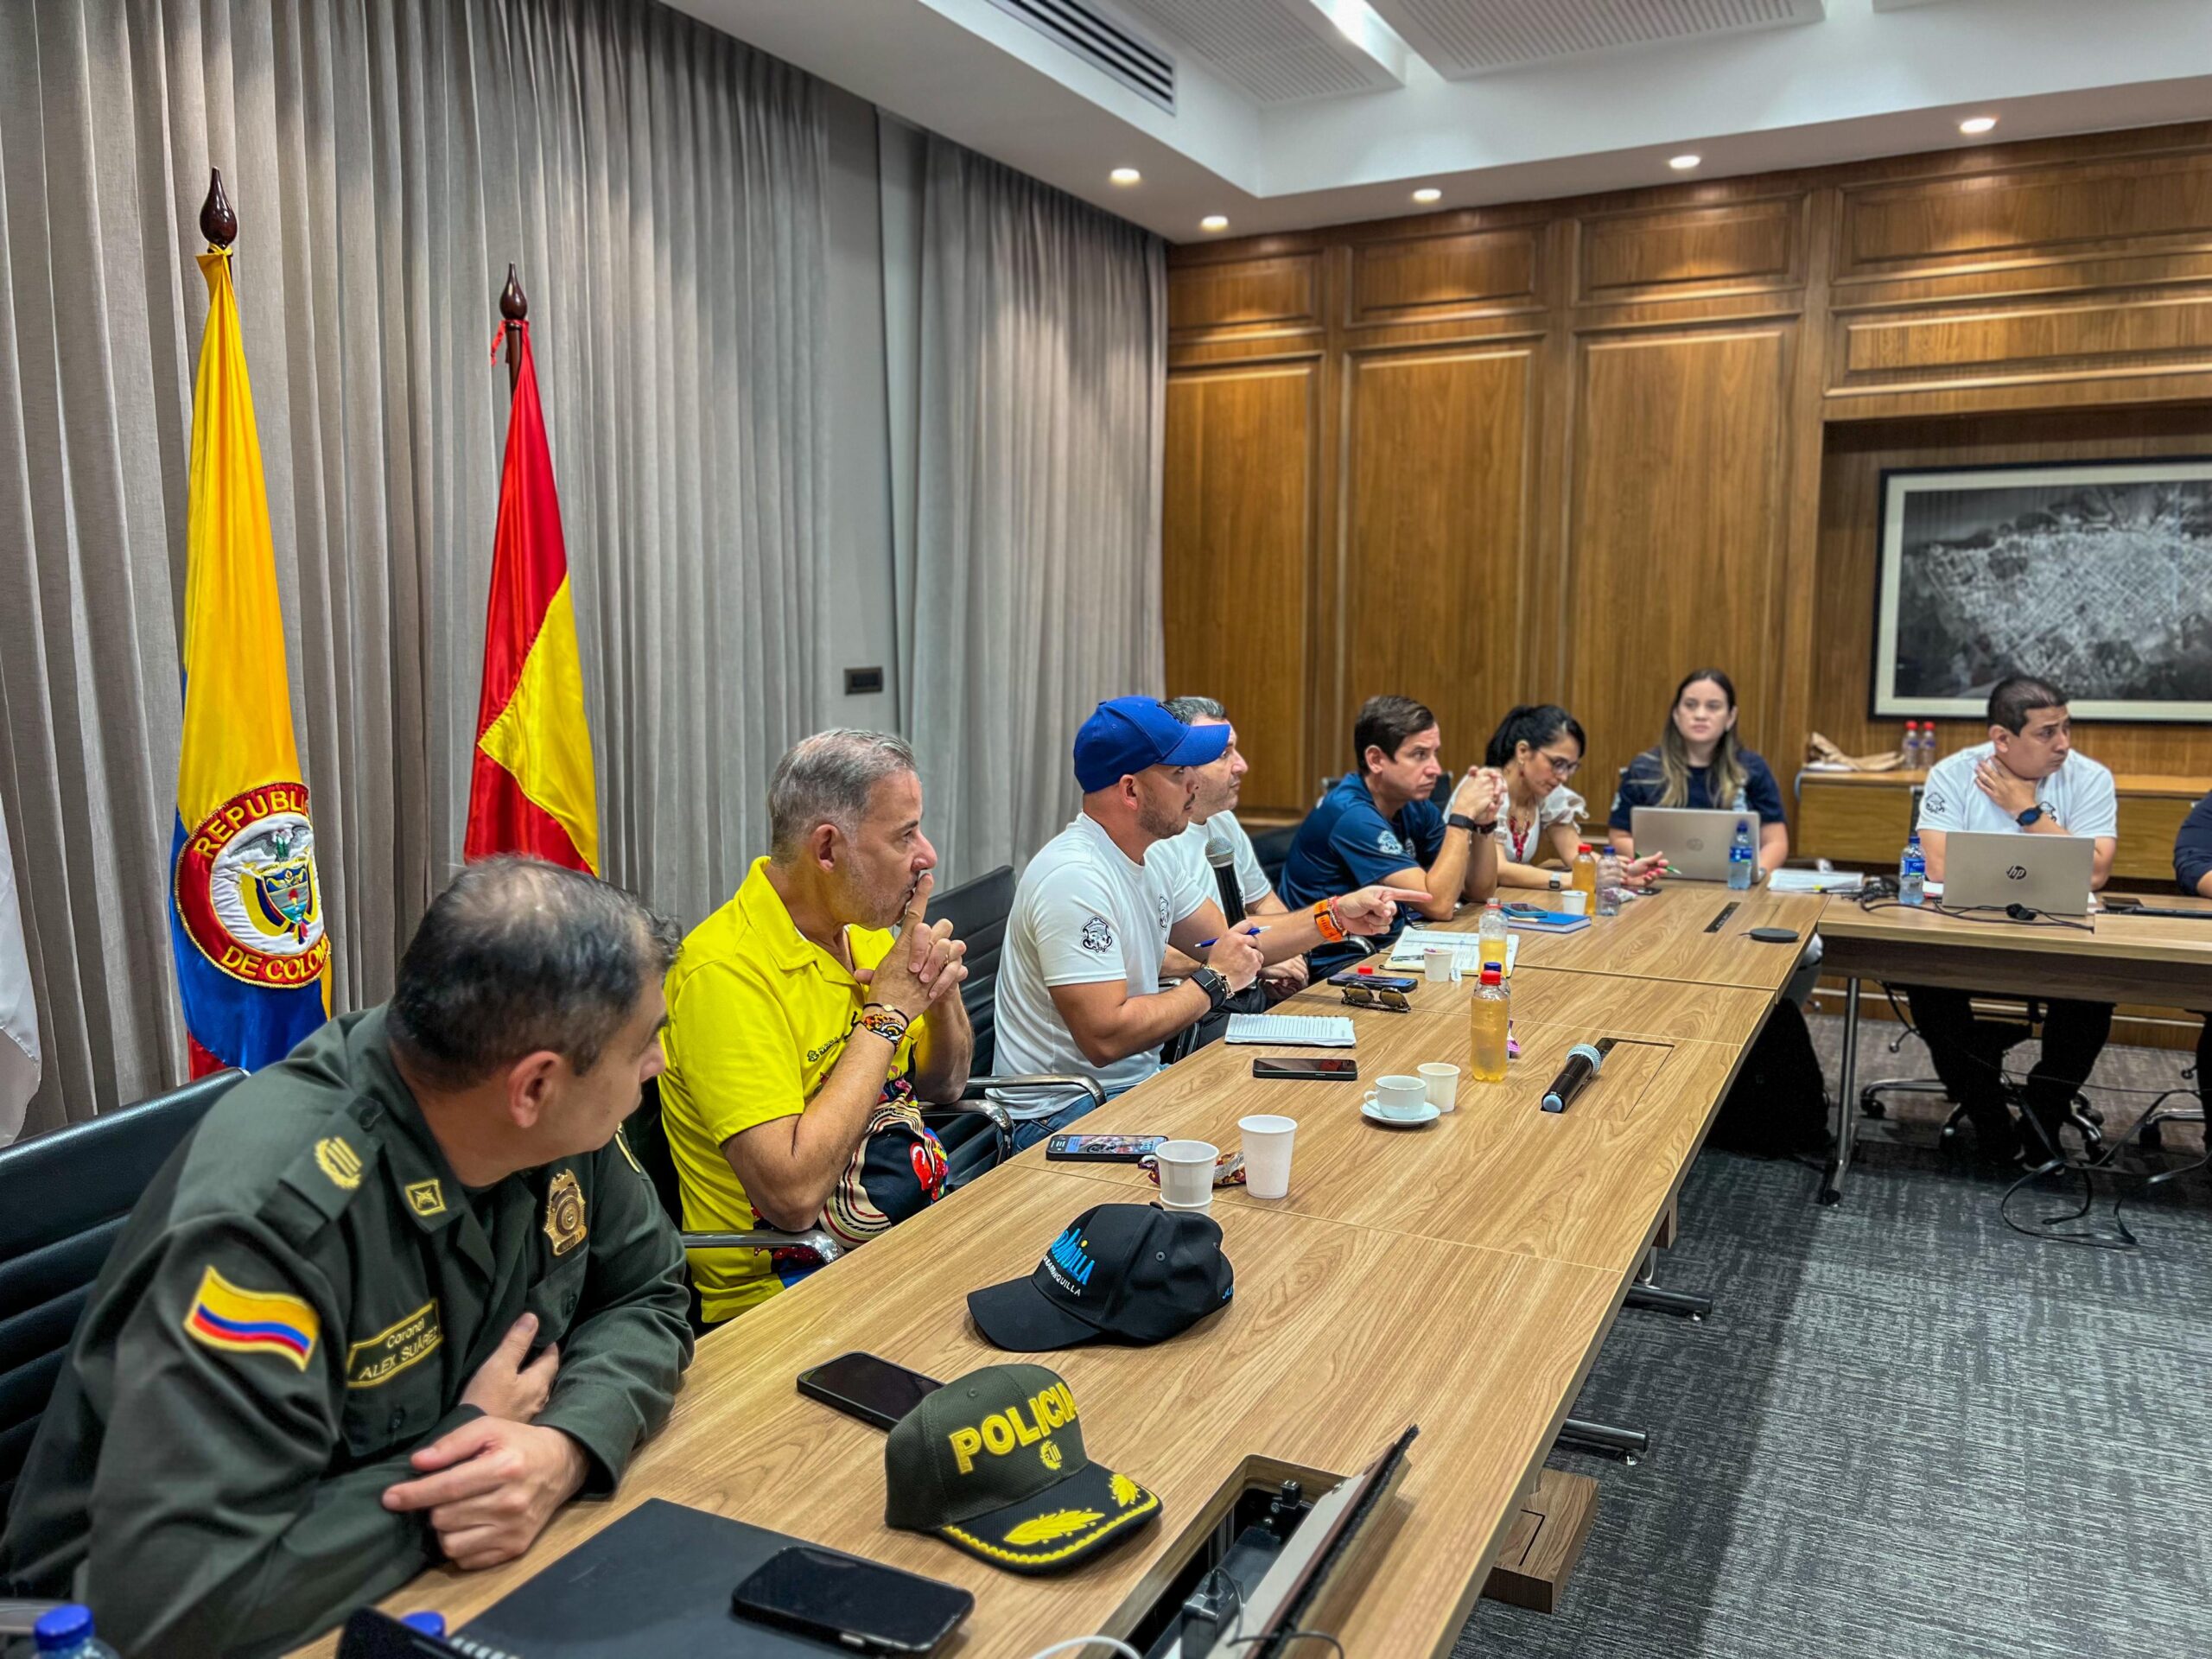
(247, 890)
(564, 1212)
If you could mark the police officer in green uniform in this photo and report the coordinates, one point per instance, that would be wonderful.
(398, 1297)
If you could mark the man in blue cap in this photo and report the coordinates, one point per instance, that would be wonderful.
(1078, 988)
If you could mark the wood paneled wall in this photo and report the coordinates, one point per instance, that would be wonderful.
(1566, 451)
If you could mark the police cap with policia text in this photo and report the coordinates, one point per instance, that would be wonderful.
(992, 1462)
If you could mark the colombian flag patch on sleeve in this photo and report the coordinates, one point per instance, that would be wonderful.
(224, 1315)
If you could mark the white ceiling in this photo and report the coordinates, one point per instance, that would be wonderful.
(1293, 114)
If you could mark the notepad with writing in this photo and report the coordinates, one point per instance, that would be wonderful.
(1304, 1030)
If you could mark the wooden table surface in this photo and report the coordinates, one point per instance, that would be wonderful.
(2165, 960)
(1461, 1275)
(1329, 1348)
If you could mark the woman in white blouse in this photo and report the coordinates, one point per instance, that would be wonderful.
(1539, 748)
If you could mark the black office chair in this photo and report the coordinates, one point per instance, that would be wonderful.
(1272, 847)
(2088, 1120)
(64, 1197)
(978, 911)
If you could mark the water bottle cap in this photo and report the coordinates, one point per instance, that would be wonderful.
(62, 1628)
(429, 1623)
(1493, 974)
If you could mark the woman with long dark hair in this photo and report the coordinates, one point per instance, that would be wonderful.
(1699, 762)
(1538, 749)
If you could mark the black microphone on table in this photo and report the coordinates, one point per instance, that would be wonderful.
(1584, 1061)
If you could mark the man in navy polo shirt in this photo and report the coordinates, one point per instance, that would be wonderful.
(1379, 824)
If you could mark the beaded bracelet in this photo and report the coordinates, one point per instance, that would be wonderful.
(882, 1020)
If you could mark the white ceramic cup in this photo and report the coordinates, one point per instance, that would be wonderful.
(1443, 1084)
(1438, 965)
(1186, 1174)
(1399, 1097)
(1267, 1155)
(1573, 901)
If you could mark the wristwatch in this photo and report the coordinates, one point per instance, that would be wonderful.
(2028, 817)
(1215, 987)
(1556, 881)
(1461, 820)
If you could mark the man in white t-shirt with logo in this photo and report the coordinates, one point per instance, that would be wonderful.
(2025, 780)
(1078, 988)
(1216, 843)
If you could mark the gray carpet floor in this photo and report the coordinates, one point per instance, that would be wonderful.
(1907, 1432)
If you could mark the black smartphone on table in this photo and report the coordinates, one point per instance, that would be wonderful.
(861, 1385)
(1386, 982)
(2119, 901)
(1283, 1068)
(1102, 1149)
(859, 1604)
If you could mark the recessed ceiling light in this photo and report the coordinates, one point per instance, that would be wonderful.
(1213, 222)
(1977, 123)
(1125, 175)
(1683, 163)
(1428, 193)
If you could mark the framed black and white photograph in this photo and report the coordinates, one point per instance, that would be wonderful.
(2097, 576)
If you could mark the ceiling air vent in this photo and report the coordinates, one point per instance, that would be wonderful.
(1103, 43)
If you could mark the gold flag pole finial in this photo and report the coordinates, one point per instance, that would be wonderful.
(216, 222)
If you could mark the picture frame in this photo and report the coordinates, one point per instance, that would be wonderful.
(2096, 576)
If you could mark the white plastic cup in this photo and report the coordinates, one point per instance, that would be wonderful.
(1573, 901)
(1186, 1174)
(1398, 1097)
(1267, 1155)
(1443, 1084)
(1438, 965)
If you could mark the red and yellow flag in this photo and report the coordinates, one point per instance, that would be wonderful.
(531, 790)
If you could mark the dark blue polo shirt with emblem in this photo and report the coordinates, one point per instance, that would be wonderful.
(1347, 843)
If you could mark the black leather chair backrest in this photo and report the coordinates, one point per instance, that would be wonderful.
(647, 1138)
(1272, 849)
(64, 1197)
(977, 911)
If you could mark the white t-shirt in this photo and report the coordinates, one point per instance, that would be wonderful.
(1085, 913)
(1194, 850)
(2080, 794)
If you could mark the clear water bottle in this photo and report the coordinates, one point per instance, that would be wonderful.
(1609, 882)
(1911, 750)
(65, 1632)
(1490, 1024)
(1743, 857)
(1912, 873)
(1493, 931)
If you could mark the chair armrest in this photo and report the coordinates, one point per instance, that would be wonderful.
(16, 1618)
(823, 1244)
(1027, 1080)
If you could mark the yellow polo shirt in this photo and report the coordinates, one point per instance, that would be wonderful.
(758, 1014)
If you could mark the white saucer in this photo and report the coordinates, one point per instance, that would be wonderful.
(1428, 1114)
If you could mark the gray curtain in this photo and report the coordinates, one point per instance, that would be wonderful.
(660, 187)
(1032, 587)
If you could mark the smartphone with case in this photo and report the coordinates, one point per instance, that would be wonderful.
(858, 1605)
(1102, 1149)
(1385, 982)
(1284, 1068)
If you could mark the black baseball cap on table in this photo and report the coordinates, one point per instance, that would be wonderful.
(1132, 1272)
(994, 1463)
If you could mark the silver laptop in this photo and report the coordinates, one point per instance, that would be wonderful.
(1695, 841)
(2048, 873)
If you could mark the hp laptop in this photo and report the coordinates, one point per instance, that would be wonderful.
(2047, 872)
(1695, 841)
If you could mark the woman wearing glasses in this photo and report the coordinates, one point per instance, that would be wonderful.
(1539, 747)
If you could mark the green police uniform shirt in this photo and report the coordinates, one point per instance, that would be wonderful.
(295, 1306)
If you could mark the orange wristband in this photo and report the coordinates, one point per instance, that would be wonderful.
(1325, 918)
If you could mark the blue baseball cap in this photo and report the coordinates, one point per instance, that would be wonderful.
(1126, 735)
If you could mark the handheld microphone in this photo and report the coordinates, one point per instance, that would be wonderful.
(1583, 1062)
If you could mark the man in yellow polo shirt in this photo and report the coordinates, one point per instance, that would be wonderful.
(802, 1032)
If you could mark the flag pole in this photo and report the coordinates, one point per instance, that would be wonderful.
(216, 222)
(514, 306)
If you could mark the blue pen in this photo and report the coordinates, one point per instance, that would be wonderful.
(1208, 945)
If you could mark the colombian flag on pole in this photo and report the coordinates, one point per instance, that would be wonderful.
(532, 789)
(246, 913)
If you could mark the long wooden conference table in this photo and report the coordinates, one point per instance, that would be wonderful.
(1462, 1275)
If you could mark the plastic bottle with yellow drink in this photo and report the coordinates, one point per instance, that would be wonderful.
(1490, 1014)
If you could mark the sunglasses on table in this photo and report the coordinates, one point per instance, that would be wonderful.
(1370, 996)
